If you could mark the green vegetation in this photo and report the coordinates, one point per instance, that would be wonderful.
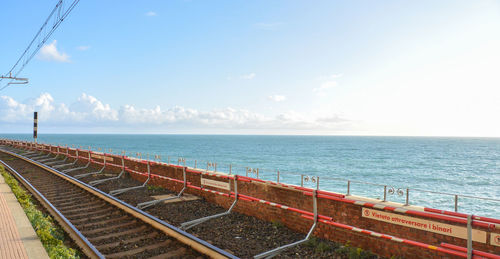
(155, 188)
(353, 252)
(319, 246)
(277, 224)
(345, 251)
(50, 235)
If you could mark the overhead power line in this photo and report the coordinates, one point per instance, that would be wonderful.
(56, 17)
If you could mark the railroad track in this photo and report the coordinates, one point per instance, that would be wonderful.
(101, 225)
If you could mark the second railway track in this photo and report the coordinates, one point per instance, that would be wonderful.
(101, 225)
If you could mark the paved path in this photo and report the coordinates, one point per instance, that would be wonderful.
(17, 237)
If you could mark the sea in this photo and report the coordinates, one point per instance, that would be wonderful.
(427, 171)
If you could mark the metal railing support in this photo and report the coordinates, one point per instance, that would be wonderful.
(79, 176)
(469, 236)
(456, 203)
(35, 154)
(147, 204)
(96, 182)
(278, 250)
(69, 164)
(407, 197)
(78, 168)
(348, 188)
(120, 191)
(192, 223)
(385, 193)
(50, 159)
(42, 155)
(60, 161)
(30, 153)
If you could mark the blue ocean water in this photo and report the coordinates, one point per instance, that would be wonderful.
(464, 166)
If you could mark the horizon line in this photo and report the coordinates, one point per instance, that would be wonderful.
(269, 134)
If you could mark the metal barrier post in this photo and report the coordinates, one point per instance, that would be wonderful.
(51, 158)
(59, 161)
(70, 164)
(276, 251)
(407, 197)
(301, 180)
(146, 204)
(192, 223)
(78, 168)
(120, 191)
(278, 180)
(456, 203)
(96, 182)
(92, 173)
(469, 236)
(348, 188)
(385, 193)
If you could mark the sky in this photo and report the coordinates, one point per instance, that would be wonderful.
(397, 68)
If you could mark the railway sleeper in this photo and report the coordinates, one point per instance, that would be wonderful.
(102, 222)
(72, 211)
(104, 247)
(117, 234)
(87, 214)
(57, 198)
(70, 206)
(178, 253)
(139, 250)
(97, 217)
(118, 226)
(57, 191)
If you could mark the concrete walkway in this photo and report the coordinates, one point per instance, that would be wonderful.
(17, 237)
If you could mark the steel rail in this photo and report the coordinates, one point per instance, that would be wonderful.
(197, 244)
(76, 235)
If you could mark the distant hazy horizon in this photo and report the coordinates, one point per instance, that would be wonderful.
(30, 134)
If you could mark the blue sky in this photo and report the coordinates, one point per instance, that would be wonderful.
(425, 68)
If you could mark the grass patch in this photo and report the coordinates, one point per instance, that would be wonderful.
(277, 224)
(51, 236)
(319, 246)
(353, 252)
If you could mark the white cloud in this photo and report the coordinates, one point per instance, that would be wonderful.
(90, 108)
(322, 89)
(328, 82)
(83, 48)
(277, 98)
(49, 52)
(248, 76)
(151, 13)
(88, 112)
